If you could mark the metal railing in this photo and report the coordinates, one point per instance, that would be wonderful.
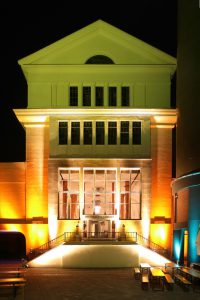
(68, 237)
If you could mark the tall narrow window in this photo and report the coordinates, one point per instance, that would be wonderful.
(136, 133)
(99, 96)
(75, 133)
(99, 191)
(87, 139)
(86, 96)
(112, 96)
(63, 133)
(68, 203)
(130, 194)
(125, 96)
(112, 133)
(124, 133)
(73, 96)
(100, 132)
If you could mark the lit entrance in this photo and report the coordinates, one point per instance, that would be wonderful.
(101, 229)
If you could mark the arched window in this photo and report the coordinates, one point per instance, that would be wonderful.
(100, 60)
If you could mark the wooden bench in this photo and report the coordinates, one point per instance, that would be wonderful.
(145, 282)
(169, 280)
(182, 280)
(13, 283)
(137, 273)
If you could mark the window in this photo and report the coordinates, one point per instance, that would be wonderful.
(99, 59)
(125, 96)
(99, 96)
(99, 192)
(73, 96)
(124, 133)
(136, 133)
(87, 135)
(63, 133)
(100, 133)
(75, 133)
(112, 133)
(112, 101)
(68, 203)
(86, 96)
(130, 194)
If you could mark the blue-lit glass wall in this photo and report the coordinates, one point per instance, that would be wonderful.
(178, 246)
(193, 223)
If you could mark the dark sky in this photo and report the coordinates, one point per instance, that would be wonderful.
(26, 29)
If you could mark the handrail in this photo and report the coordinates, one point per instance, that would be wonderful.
(98, 236)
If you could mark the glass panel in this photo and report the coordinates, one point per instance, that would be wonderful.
(99, 196)
(135, 211)
(73, 96)
(135, 198)
(124, 133)
(75, 133)
(99, 96)
(112, 96)
(125, 96)
(130, 194)
(63, 133)
(100, 133)
(86, 96)
(74, 175)
(111, 175)
(112, 133)
(69, 195)
(136, 133)
(87, 133)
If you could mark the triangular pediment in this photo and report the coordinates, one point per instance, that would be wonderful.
(99, 38)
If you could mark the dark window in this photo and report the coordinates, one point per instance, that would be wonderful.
(99, 96)
(87, 133)
(125, 96)
(124, 133)
(112, 133)
(136, 133)
(86, 96)
(112, 96)
(63, 133)
(100, 133)
(75, 133)
(73, 96)
(99, 59)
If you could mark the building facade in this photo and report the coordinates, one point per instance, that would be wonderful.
(98, 141)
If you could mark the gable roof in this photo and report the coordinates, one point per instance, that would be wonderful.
(99, 38)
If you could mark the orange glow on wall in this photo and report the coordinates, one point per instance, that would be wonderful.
(37, 235)
(161, 234)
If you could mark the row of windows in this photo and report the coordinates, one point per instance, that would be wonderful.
(99, 96)
(129, 132)
(99, 195)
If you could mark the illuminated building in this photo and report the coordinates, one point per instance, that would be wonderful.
(98, 140)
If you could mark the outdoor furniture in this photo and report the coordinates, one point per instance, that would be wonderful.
(191, 274)
(13, 283)
(157, 278)
(144, 268)
(137, 273)
(182, 281)
(8, 273)
(145, 282)
(169, 281)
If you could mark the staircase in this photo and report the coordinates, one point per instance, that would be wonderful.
(73, 237)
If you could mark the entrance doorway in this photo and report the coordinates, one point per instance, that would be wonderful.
(101, 229)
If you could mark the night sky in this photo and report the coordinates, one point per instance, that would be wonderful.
(26, 29)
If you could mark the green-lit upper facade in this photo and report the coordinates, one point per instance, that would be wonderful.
(98, 66)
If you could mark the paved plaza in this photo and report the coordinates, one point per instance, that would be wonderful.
(97, 284)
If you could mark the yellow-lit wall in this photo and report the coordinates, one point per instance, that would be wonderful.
(161, 202)
(12, 190)
(37, 171)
